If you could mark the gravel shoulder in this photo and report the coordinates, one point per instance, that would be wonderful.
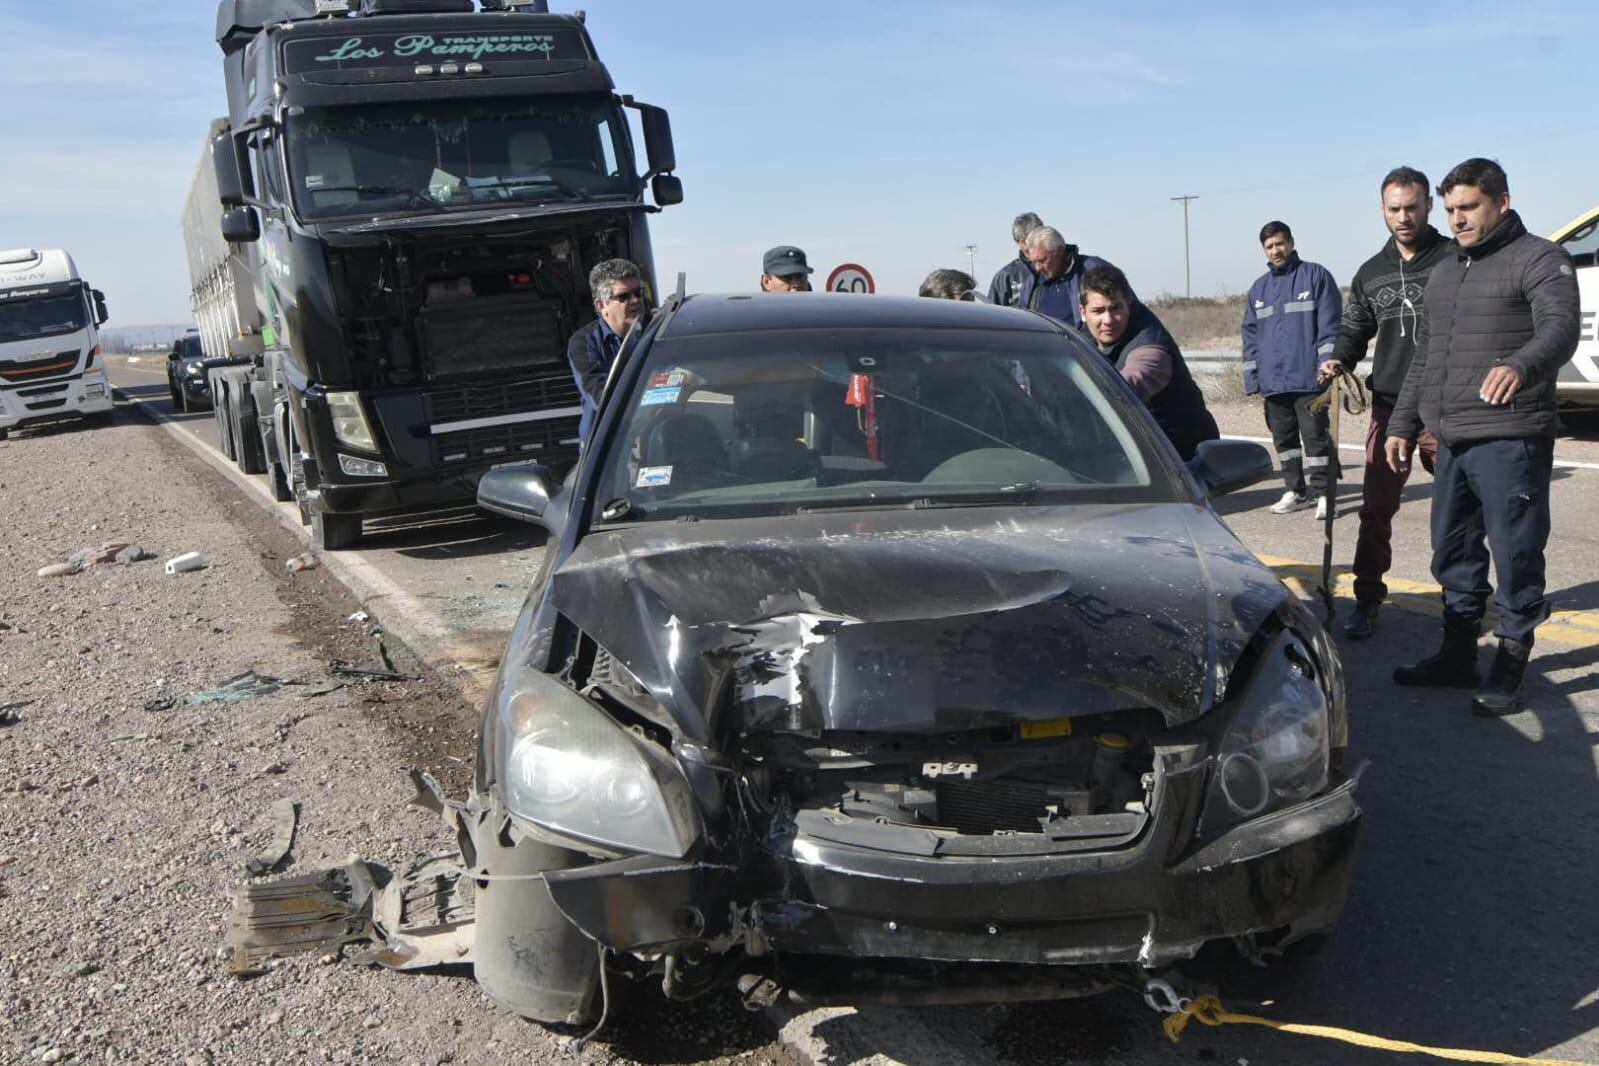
(127, 814)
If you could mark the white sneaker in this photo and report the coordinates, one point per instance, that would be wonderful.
(1321, 508)
(1292, 502)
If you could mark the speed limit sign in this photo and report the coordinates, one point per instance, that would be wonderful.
(850, 277)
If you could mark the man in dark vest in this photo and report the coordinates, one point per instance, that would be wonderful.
(1129, 335)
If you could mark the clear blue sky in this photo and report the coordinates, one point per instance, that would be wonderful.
(894, 133)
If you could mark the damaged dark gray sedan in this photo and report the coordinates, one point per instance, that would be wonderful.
(885, 651)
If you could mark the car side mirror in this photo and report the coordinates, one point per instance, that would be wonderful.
(521, 492)
(668, 189)
(1224, 466)
(241, 226)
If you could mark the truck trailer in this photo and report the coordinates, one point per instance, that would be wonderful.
(392, 231)
(50, 363)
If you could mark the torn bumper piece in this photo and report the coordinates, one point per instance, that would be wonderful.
(421, 916)
(1148, 903)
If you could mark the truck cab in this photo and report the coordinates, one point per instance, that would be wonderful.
(50, 363)
(416, 191)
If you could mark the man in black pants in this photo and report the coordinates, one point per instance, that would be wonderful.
(1385, 301)
(1502, 317)
(1291, 318)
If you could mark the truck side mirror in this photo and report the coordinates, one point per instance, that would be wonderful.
(100, 313)
(225, 161)
(668, 189)
(241, 226)
(658, 139)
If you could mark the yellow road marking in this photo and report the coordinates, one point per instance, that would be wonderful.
(1576, 628)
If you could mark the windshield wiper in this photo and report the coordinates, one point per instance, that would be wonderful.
(413, 198)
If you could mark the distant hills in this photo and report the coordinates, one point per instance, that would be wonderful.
(120, 338)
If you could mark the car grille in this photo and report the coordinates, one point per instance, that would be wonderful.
(48, 366)
(980, 807)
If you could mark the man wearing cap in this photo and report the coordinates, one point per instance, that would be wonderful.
(784, 269)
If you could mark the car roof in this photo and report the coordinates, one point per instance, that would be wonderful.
(742, 312)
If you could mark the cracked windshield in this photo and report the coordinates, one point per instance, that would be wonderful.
(451, 154)
(742, 425)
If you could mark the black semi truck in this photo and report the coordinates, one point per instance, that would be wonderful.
(391, 233)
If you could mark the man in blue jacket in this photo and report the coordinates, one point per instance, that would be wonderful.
(1291, 320)
(1007, 283)
(620, 300)
(1054, 286)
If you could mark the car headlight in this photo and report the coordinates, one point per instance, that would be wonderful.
(1275, 748)
(349, 421)
(568, 766)
(194, 370)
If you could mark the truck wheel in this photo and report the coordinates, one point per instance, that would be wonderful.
(335, 532)
(527, 956)
(224, 425)
(282, 491)
(247, 435)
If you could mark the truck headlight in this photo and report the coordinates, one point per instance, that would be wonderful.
(568, 766)
(1275, 749)
(349, 421)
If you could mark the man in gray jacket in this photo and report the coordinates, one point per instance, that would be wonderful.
(1501, 317)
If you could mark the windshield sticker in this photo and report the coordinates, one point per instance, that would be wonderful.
(658, 396)
(314, 181)
(672, 375)
(653, 476)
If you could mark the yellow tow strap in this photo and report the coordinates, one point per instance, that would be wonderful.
(1209, 1011)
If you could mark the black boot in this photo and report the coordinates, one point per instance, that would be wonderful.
(1362, 621)
(1502, 693)
(1454, 665)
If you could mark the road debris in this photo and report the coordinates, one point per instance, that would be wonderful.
(59, 569)
(160, 703)
(358, 616)
(245, 686)
(133, 554)
(339, 668)
(8, 712)
(183, 563)
(303, 561)
(286, 817)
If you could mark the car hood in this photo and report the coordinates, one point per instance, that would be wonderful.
(923, 621)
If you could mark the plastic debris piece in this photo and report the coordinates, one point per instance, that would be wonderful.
(8, 712)
(133, 554)
(342, 669)
(286, 818)
(160, 703)
(358, 616)
(303, 561)
(183, 563)
(245, 686)
(59, 569)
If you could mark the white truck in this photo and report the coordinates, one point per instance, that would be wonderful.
(50, 363)
(1578, 384)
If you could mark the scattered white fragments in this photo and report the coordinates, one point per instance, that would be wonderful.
(303, 561)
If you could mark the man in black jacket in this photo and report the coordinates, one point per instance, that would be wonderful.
(1130, 335)
(1501, 319)
(1008, 279)
(1385, 302)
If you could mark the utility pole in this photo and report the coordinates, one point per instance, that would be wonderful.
(971, 260)
(1188, 277)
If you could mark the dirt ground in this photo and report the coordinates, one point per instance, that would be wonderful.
(127, 813)
(1201, 322)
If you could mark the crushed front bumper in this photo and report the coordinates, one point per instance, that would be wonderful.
(1151, 902)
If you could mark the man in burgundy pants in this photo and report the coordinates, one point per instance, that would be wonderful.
(1385, 302)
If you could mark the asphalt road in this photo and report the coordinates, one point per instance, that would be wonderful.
(1470, 925)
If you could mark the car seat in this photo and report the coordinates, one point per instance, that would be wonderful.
(691, 446)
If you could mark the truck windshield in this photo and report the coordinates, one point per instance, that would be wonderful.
(444, 154)
(42, 318)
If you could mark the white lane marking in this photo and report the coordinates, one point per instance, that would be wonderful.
(1361, 448)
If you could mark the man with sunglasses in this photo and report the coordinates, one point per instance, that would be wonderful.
(620, 300)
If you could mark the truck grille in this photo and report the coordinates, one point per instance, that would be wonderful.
(45, 405)
(486, 401)
(980, 807)
(32, 369)
(546, 436)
